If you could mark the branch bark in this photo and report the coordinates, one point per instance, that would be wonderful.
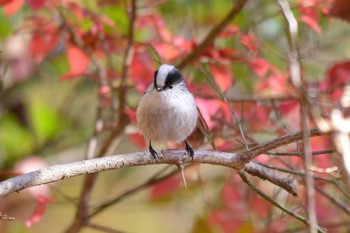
(237, 161)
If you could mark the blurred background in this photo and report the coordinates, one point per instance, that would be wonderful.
(72, 73)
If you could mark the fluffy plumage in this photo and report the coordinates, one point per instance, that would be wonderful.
(167, 111)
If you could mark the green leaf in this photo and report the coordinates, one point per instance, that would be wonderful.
(45, 121)
(5, 26)
(15, 140)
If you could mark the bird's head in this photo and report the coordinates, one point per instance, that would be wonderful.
(166, 77)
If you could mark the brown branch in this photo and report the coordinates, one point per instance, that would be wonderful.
(212, 35)
(273, 202)
(64, 171)
(252, 99)
(256, 169)
(238, 161)
(296, 80)
(283, 140)
(103, 228)
(81, 217)
(334, 200)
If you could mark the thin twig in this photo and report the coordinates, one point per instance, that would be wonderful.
(153, 180)
(103, 228)
(223, 97)
(89, 181)
(295, 76)
(301, 173)
(334, 200)
(5, 217)
(300, 153)
(273, 202)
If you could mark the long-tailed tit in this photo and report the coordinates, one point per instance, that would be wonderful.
(167, 110)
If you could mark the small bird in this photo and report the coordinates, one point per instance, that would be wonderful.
(167, 111)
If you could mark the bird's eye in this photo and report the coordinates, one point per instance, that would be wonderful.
(171, 86)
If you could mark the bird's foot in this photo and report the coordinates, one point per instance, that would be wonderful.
(153, 152)
(189, 150)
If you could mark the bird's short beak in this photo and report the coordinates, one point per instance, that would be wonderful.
(160, 89)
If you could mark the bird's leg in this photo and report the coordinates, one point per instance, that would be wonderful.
(189, 149)
(152, 151)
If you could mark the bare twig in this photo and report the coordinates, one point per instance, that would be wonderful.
(5, 217)
(89, 181)
(153, 180)
(295, 76)
(103, 228)
(334, 200)
(273, 202)
(223, 98)
(300, 153)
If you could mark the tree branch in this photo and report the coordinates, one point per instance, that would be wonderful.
(237, 161)
(212, 35)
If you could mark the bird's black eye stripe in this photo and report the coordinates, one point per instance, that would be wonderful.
(155, 78)
(155, 74)
(173, 77)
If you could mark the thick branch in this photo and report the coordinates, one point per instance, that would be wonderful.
(237, 161)
(64, 171)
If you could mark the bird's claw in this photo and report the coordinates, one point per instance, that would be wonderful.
(153, 152)
(189, 150)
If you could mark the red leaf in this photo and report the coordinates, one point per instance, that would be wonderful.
(337, 77)
(222, 74)
(291, 113)
(229, 54)
(287, 106)
(165, 187)
(260, 66)
(227, 220)
(37, 4)
(230, 31)
(4, 2)
(250, 42)
(322, 143)
(338, 74)
(78, 61)
(40, 209)
(309, 15)
(231, 196)
(261, 206)
(43, 42)
(12, 7)
(105, 90)
(183, 44)
(341, 9)
(276, 84)
(142, 69)
(137, 139)
(167, 51)
(208, 109)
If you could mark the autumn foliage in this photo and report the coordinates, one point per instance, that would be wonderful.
(72, 73)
